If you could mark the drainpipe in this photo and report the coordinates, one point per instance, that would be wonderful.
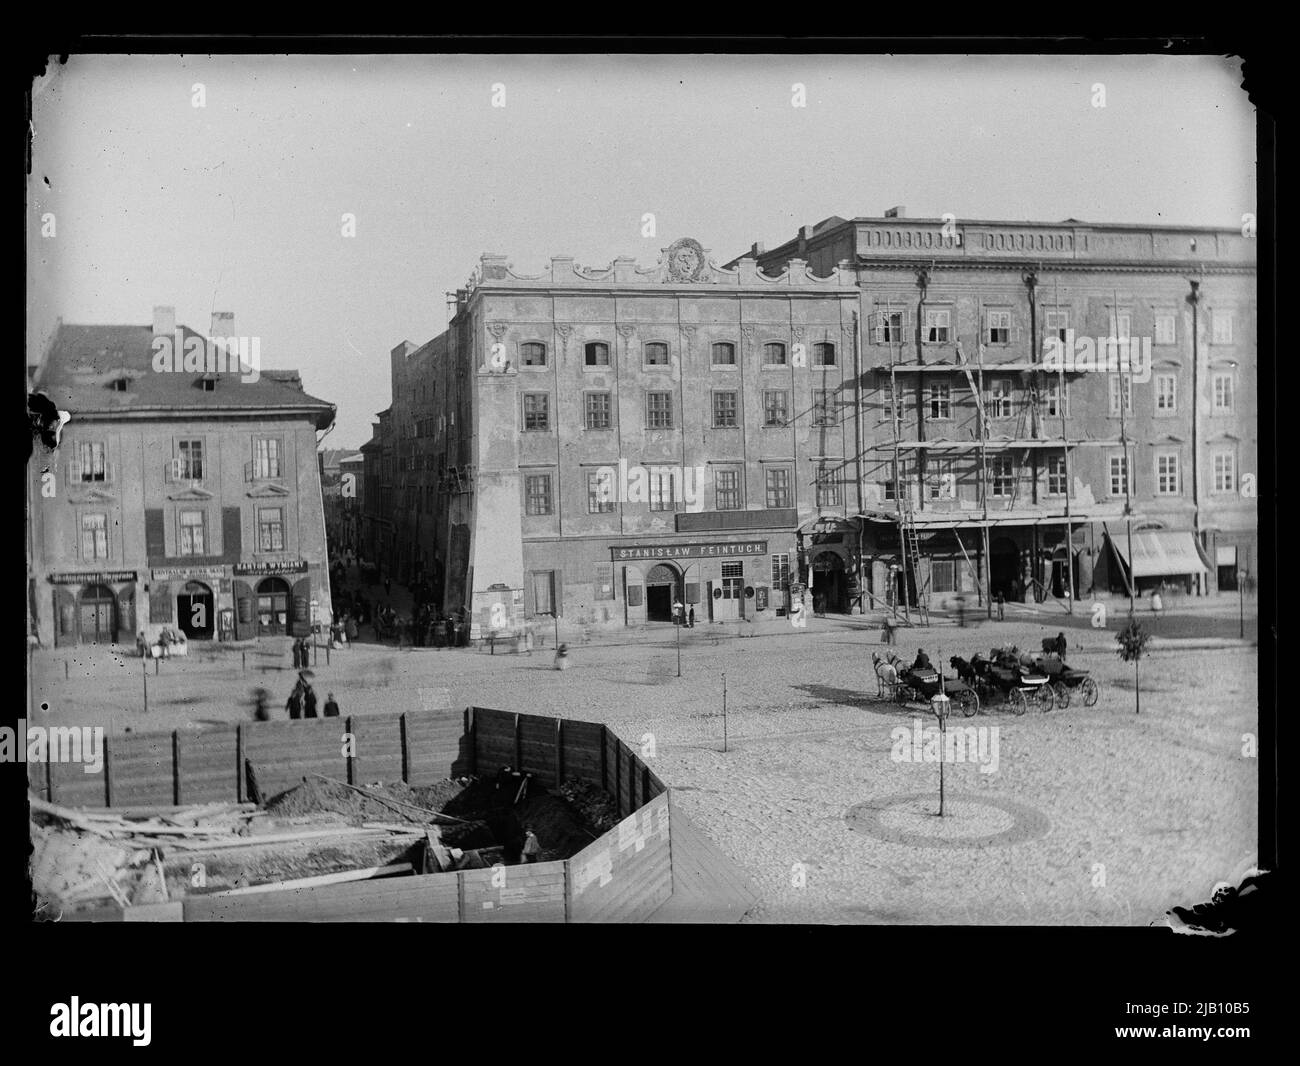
(857, 444)
(1194, 298)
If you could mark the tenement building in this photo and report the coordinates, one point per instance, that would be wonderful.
(185, 490)
(1048, 409)
(600, 444)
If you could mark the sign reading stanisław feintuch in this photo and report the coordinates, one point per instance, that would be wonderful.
(688, 551)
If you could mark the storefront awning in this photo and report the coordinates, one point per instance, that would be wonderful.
(1159, 552)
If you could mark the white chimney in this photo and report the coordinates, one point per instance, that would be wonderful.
(896, 212)
(164, 321)
(223, 324)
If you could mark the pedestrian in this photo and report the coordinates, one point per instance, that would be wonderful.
(961, 612)
(261, 712)
(562, 657)
(1000, 600)
(142, 645)
(331, 706)
(887, 626)
(690, 624)
(294, 704)
(308, 701)
(165, 642)
(388, 586)
(350, 627)
(1157, 605)
(532, 846)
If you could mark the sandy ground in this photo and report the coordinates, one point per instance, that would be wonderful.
(1094, 816)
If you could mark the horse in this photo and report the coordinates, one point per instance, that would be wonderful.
(886, 673)
(965, 671)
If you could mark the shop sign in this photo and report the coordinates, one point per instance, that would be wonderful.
(189, 573)
(92, 577)
(265, 569)
(718, 550)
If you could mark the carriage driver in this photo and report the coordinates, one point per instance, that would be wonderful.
(922, 662)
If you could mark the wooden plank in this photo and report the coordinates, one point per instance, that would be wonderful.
(421, 898)
(366, 874)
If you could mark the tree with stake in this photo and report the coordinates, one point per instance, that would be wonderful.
(1132, 640)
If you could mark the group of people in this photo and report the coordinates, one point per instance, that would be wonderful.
(302, 701)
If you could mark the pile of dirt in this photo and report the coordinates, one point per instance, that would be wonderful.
(315, 796)
(596, 806)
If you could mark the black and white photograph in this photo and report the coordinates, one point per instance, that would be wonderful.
(695, 486)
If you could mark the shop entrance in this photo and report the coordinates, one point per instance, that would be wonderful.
(98, 615)
(830, 586)
(194, 611)
(272, 607)
(662, 586)
(1004, 568)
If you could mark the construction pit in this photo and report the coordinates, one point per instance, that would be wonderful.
(319, 832)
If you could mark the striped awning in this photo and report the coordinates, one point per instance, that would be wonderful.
(1159, 552)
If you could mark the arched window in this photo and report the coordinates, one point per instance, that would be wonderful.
(774, 354)
(532, 354)
(597, 353)
(724, 354)
(824, 354)
(656, 353)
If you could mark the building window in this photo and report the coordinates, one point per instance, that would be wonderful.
(600, 491)
(1000, 403)
(193, 525)
(777, 484)
(91, 463)
(659, 410)
(537, 494)
(1119, 475)
(662, 494)
(781, 570)
(823, 407)
(1004, 479)
(943, 482)
(1121, 385)
(1166, 394)
(190, 460)
(532, 354)
(1221, 327)
(941, 401)
(733, 581)
(943, 575)
(776, 408)
(824, 354)
(774, 354)
(889, 327)
(1121, 325)
(270, 529)
(1166, 329)
(1055, 406)
(544, 592)
(999, 327)
(1225, 472)
(724, 410)
(537, 411)
(938, 328)
(727, 490)
(724, 354)
(1222, 394)
(828, 486)
(1167, 475)
(1056, 479)
(266, 457)
(656, 354)
(597, 410)
(1056, 324)
(94, 536)
(596, 353)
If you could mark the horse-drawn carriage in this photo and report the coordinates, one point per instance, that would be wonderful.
(904, 685)
(1016, 679)
(1065, 681)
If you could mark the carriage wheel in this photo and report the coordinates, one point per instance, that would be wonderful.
(968, 701)
(1090, 693)
(1016, 699)
(1062, 695)
(1045, 697)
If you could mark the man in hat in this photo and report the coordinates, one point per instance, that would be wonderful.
(532, 846)
(331, 706)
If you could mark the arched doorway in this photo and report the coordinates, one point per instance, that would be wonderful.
(1004, 568)
(662, 586)
(98, 611)
(272, 607)
(829, 584)
(194, 611)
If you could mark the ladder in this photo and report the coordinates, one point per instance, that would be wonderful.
(912, 558)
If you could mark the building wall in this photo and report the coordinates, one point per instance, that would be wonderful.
(143, 503)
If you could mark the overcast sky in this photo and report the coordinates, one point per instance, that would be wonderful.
(238, 205)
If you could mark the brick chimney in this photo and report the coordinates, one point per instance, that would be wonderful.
(164, 321)
(896, 212)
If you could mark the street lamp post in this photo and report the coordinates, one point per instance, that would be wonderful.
(1241, 603)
